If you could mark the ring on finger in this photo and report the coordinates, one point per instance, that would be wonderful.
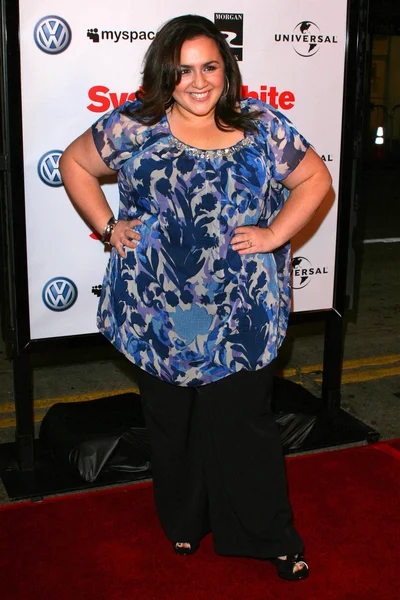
(249, 243)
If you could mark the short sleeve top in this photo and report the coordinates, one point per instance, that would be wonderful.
(183, 305)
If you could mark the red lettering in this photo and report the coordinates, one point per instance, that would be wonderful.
(287, 100)
(117, 102)
(103, 99)
(97, 94)
(284, 100)
(247, 94)
(273, 94)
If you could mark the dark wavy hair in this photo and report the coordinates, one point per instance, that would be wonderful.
(161, 74)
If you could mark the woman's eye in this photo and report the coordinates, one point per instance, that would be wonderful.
(210, 68)
(185, 71)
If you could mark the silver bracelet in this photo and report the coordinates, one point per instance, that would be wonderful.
(108, 229)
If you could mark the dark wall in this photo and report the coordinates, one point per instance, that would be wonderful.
(384, 17)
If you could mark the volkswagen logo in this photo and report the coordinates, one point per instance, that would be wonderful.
(52, 35)
(48, 169)
(60, 293)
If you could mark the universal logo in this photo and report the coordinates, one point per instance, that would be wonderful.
(48, 168)
(306, 38)
(231, 26)
(303, 272)
(117, 36)
(52, 34)
(59, 294)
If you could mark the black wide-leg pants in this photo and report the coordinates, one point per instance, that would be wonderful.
(217, 464)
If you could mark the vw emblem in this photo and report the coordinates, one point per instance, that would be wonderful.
(59, 294)
(52, 35)
(48, 168)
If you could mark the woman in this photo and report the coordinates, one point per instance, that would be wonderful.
(196, 293)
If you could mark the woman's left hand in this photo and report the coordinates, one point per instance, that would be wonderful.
(252, 239)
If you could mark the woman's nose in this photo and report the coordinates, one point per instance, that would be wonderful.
(199, 81)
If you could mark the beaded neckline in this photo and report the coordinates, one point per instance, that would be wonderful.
(210, 154)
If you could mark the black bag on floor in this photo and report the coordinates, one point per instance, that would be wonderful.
(107, 434)
(296, 411)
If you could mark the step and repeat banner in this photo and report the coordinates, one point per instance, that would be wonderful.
(80, 59)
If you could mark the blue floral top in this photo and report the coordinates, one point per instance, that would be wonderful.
(183, 305)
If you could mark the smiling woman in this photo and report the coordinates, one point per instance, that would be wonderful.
(202, 84)
(196, 293)
(174, 56)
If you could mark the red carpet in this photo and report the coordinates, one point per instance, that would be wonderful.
(108, 545)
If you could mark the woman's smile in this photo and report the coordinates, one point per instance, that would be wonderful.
(200, 96)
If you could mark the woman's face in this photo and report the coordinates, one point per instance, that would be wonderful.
(203, 77)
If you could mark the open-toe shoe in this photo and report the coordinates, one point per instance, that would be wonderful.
(182, 550)
(285, 567)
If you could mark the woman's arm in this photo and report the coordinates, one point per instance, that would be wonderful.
(309, 183)
(81, 167)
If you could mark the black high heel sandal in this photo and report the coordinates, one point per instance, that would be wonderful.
(193, 547)
(285, 567)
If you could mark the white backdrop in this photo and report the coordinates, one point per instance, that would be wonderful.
(79, 59)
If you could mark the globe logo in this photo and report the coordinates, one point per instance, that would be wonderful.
(48, 168)
(59, 294)
(306, 38)
(52, 35)
(300, 272)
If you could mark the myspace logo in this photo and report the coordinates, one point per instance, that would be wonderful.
(118, 36)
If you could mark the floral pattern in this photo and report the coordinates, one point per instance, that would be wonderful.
(183, 305)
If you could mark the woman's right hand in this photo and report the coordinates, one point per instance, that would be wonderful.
(124, 234)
